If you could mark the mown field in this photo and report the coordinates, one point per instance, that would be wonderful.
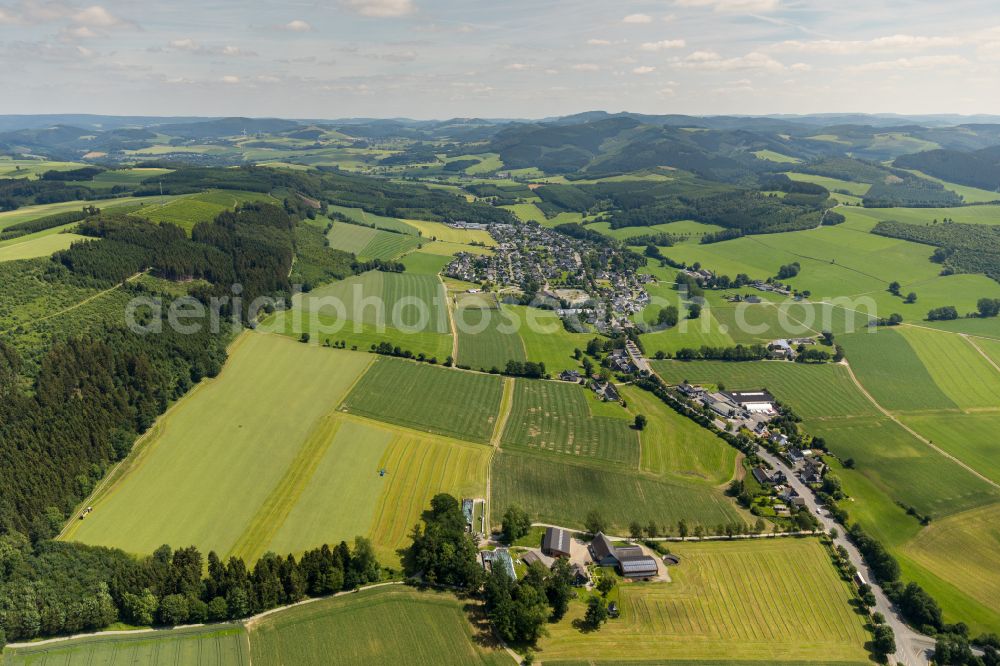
(409, 302)
(423, 397)
(40, 246)
(369, 243)
(222, 645)
(956, 367)
(763, 602)
(554, 417)
(442, 232)
(561, 491)
(814, 391)
(380, 222)
(389, 625)
(224, 447)
(546, 340)
(487, 338)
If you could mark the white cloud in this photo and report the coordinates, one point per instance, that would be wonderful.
(663, 45)
(855, 47)
(298, 25)
(800, 67)
(81, 32)
(7, 18)
(184, 45)
(586, 67)
(638, 18)
(645, 69)
(85, 52)
(666, 92)
(267, 78)
(733, 6)
(380, 8)
(97, 16)
(710, 60)
(229, 78)
(918, 62)
(599, 42)
(517, 66)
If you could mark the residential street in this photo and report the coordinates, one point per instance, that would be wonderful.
(912, 648)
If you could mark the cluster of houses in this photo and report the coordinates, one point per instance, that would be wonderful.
(744, 409)
(462, 224)
(772, 287)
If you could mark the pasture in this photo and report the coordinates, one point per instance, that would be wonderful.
(487, 338)
(554, 417)
(956, 367)
(37, 245)
(545, 338)
(442, 232)
(379, 221)
(888, 367)
(427, 398)
(964, 551)
(26, 213)
(772, 156)
(902, 467)
(864, 219)
(813, 391)
(970, 437)
(675, 447)
(218, 645)
(425, 263)
(387, 625)
(752, 601)
(187, 211)
(198, 477)
(409, 302)
(369, 243)
(561, 490)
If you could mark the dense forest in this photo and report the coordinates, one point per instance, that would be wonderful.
(979, 168)
(52, 588)
(961, 248)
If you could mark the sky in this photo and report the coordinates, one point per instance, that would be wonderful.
(507, 59)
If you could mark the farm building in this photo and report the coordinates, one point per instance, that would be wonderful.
(556, 542)
(570, 376)
(533, 556)
(468, 507)
(499, 559)
(630, 561)
(642, 566)
(755, 402)
(762, 476)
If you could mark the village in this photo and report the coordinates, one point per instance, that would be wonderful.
(571, 275)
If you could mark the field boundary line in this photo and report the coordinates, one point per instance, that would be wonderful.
(279, 503)
(451, 321)
(915, 434)
(981, 352)
(350, 389)
(506, 406)
(141, 448)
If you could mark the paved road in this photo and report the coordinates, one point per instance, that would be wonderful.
(912, 648)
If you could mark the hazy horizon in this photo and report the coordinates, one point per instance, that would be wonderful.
(434, 59)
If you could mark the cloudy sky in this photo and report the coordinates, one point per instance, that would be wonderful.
(515, 58)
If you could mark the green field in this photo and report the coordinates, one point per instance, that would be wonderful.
(188, 211)
(443, 232)
(773, 156)
(956, 367)
(220, 645)
(26, 213)
(487, 338)
(369, 243)
(379, 221)
(561, 490)
(409, 302)
(970, 437)
(832, 184)
(814, 391)
(388, 625)
(554, 417)
(427, 398)
(425, 263)
(42, 245)
(546, 340)
(888, 367)
(209, 449)
(753, 602)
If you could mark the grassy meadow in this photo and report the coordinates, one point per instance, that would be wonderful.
(368, 243)
(218, 645)
(487, 338)
(388, 625)
(43, 245)
(443, 401)
(754, 602)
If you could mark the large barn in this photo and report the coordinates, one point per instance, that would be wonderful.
(556, 542)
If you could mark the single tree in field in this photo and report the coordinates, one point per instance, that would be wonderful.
(516, 523)
(894, 288)
(597, 613)
(635, 530)
(652, 530)
(640, 422)
(595, 522)
(911, 297)
(606, 584)
(682, 528)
